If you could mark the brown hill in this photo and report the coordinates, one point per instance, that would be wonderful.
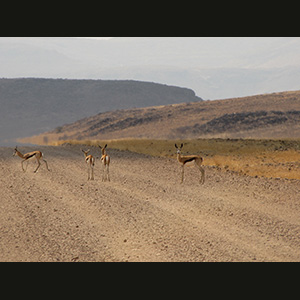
(274, 115)
(30, 106)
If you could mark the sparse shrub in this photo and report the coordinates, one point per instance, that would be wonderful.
(58, 129)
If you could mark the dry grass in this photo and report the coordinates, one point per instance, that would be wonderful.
(262, 116)
(266, 158)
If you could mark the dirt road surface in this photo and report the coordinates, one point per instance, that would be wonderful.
(144, 213)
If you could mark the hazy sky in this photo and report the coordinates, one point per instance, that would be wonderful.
(214, 67)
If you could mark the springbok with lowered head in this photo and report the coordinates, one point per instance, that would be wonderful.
(105, 160)
(37, 154)
(183, 159)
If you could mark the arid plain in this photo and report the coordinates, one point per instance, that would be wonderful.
(144, 213)
(247, 210)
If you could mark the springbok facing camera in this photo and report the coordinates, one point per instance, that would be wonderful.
(37, 154)
(105, 160)
(183, 159)
(90, 162)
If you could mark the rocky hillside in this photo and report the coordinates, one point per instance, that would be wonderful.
(274, 115)
(31, 106)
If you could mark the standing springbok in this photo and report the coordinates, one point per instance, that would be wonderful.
(37, 154)
(183, 159)
(105, 160)
(90, 162)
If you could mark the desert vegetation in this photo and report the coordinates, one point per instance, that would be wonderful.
(254, 157)
(269, 116)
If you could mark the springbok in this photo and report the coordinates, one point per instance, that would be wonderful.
(183, 159)
(37, 154)
(90, 162)
(105, 160)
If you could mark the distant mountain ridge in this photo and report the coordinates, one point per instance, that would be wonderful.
(214, 67)
(31, 106)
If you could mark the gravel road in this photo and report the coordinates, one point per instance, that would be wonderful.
(143, 213)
